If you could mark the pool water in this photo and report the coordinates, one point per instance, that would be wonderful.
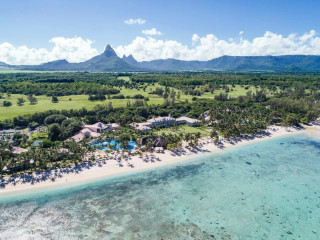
(105, 146)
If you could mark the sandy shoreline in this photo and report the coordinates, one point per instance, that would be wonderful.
(111, 168)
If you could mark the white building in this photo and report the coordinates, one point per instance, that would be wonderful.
(140, 126)
(164, 122)
(160, 121)
(94, 130)
(192, 122)
(100, 127)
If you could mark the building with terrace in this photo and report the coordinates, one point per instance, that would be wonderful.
(94, 130)
(100, 127)
(164, 122)
(192, 122)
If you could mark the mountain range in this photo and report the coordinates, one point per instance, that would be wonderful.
(109, 61)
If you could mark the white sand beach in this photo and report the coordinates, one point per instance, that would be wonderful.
(118, 165)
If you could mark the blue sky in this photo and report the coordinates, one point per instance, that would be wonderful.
(34, 22)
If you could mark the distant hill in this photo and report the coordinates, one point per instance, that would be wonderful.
(105, 62)
(3, 64)
(240, 63)
(272, 63)
(130, 60)
(108, 61)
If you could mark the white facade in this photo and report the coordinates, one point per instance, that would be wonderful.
(94, 130)
(165, 122)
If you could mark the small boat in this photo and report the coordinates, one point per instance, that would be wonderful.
(256, 173)
(257, 154)
(249, 163)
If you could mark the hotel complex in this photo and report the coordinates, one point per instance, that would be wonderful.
(164, 122)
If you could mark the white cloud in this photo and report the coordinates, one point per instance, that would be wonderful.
(135, 21)
(195, 39)
(209, 47)
(73, 49)
(151, 32)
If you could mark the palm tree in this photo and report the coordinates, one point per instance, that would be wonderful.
(149, 144)
(213, 135)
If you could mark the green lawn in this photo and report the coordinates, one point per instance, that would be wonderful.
(44, 103)
(124, 78)
(79, 101)
(12, 70)
(184, 129)
(235, 91)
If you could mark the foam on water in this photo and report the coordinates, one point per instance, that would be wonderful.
(213, 197)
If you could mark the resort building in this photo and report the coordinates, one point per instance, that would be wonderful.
(18, 150)
(158, 142)
(140, 127)
(100, 127)
(161, 121)
(164, 122)
(192, 122)
(206, 116)
(94, 130)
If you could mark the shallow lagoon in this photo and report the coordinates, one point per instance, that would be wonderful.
(211, 197)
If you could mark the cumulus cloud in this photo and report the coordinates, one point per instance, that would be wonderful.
(151, 32)
(73, 49)
(148, 48)
(135, 21)
(195, 39)
(209, 47)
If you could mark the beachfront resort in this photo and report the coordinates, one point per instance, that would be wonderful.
(159, 120)
(98, 137)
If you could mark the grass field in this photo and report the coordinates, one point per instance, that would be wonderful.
(12, 70)
(184, 129)
(124, 78)
(44, 103)
(79, 101)
(235, 91)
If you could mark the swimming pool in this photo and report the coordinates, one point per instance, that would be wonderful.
(105, 146)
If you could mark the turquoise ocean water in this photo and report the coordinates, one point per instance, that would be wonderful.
(211, 197)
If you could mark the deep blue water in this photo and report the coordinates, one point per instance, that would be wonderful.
(210, 197)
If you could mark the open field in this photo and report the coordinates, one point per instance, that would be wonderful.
(185, 129)
(125, 78)
(4, 69)
(44, 103)
(235, 91)
(79, 101)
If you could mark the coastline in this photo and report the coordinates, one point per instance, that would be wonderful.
(112, 168)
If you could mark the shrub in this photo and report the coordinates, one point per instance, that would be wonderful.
(54, 99)
(55, 118)
(54, 132)
(138, 96)
(21, 101)
(7, 103)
